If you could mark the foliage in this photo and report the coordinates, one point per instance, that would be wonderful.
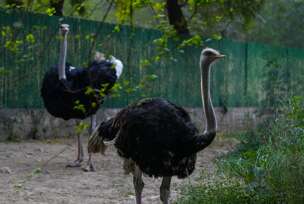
(81, 127)
(222, 191)
(209, 18)
(267, 167)
(3, 71)
(274, 21)
(276, 83)
(297, 111)
(279, 22)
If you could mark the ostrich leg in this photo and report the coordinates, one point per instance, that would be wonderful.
(165, 190)
(90, 166)
(138, 183)
(77, 162)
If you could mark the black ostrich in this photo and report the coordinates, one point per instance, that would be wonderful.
(157, 137)
(76, 93)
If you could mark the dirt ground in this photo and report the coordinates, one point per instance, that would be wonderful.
(25, 179)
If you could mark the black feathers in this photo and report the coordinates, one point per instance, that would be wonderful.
(79, 95)
(152, 133)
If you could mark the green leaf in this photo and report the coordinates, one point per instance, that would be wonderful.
(30, 38)
(50, 11)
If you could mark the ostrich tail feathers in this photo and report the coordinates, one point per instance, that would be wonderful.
(104, 132)
(95, 143)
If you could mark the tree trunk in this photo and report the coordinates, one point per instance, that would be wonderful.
(176, 17)
(58, 6)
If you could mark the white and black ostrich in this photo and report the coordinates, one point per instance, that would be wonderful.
(76, 93)
(157, 137)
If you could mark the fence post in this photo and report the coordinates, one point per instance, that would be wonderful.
(246, 72)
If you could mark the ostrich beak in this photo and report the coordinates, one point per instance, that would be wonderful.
(219, 56)
(64, 29)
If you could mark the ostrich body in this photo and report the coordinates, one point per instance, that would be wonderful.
(65, 89)
(62, 96)
(157, 137)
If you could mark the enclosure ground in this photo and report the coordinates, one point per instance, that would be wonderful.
(24, 179)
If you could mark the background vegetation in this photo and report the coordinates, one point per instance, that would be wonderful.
(273, 21)
(266, 167)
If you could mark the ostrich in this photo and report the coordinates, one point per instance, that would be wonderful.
(71, 93)
(157, 137)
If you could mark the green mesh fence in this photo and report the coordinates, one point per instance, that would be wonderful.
(252, 74)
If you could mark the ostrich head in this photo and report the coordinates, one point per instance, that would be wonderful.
(64, 29)
(210, 55)
(117, 64)
(99, 57)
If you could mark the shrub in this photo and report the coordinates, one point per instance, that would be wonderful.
(267, 166)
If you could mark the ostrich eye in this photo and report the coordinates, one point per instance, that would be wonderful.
(208, 53)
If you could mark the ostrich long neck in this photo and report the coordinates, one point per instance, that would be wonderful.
(200, 142)
(210, 124)
(62, 57)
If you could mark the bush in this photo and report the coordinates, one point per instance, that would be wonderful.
(267, 166)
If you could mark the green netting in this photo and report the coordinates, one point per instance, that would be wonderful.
(251, 75)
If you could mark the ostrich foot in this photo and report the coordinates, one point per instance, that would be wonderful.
(89, 168)
(76, 163)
